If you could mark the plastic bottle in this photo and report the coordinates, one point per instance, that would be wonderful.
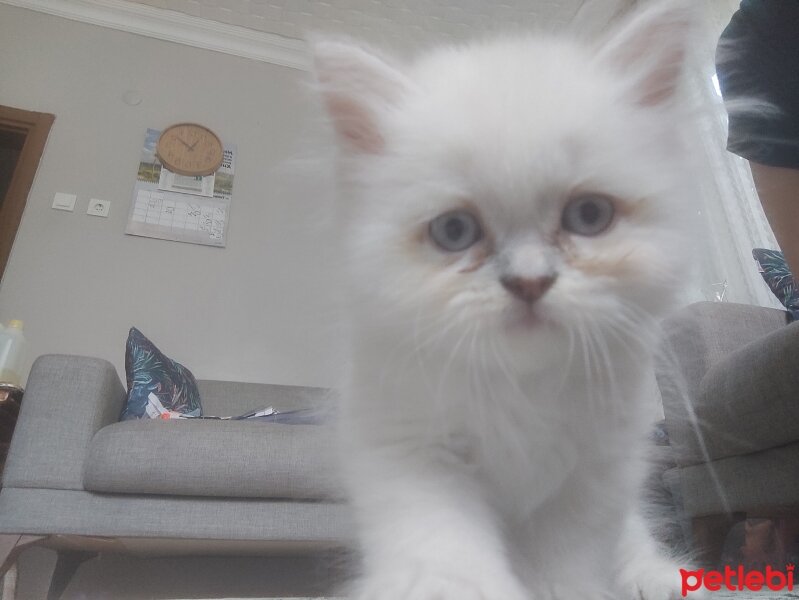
(12, 348)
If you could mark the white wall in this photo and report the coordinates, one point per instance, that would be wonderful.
(253, 311)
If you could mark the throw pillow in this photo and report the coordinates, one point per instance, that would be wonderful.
(774, 269)
(156, 382)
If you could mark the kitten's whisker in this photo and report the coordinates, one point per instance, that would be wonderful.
(638, 320)
(395, 362)
(481, 392)
(601, 390)
(613, 395)
(477, 383)
(392, 361)
(588, 360)
(501, 363)
(438, 396)
(517, 444)
(619, 330)
(594, 370)
(439, 328)
(569, 360)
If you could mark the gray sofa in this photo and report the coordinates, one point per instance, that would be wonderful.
(79, 481)
(729, 379)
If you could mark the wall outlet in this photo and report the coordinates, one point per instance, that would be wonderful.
(98, 208)
(62, 201)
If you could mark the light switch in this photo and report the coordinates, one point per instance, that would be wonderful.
(62, 201)
(98, 208)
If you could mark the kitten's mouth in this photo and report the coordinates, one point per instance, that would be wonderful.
(525, 318)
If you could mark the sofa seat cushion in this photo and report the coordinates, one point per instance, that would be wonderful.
(241, 459)
(762, 483)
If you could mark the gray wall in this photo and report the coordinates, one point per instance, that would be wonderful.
(254, 311)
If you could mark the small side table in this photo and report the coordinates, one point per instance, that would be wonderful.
(10, 400)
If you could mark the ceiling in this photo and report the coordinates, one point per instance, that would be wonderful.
(399, 24)
(274, 30)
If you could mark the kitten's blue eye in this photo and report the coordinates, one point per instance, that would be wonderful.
(455, 231)
(589, 215)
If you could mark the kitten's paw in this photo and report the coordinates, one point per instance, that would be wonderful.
(586, 590)
(661, 580)
(665, 591)
(425, 584)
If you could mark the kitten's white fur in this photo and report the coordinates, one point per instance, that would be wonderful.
(489, 457)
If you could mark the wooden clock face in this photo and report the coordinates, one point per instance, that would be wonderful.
(190, 149)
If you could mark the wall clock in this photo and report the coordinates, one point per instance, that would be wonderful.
(189, 149)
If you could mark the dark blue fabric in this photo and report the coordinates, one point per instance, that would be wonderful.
(148, 371)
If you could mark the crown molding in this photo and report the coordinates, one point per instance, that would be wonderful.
(177, 27)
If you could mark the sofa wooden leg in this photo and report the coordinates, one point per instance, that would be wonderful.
(10, 547)
(65, 567)
(8, 552)
(10, 584)
(709, 534)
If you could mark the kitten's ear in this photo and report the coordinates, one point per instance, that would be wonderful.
(650, 47)
(357, 87)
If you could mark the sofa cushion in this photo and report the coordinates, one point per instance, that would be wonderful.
(194, 457)
(695, 340)
(778, 277)
(759, 484)
(749, 401)
(156, 383)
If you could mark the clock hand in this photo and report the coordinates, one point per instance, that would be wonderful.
(185, 143)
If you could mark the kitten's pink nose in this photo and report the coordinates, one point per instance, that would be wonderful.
(528, 289)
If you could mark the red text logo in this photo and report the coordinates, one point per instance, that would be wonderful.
(737, 579)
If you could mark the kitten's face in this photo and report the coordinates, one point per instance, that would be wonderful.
(521, 193)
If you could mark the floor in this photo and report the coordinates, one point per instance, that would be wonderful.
(753, 595)
(115, 577)
(129, 578)
(121, 577)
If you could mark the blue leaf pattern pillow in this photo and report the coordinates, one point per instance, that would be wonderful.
(149, 371)
(774, 269)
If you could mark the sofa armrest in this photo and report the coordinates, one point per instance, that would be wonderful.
(694, 340)
(68, 399)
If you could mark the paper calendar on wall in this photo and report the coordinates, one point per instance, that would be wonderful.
(175, 207)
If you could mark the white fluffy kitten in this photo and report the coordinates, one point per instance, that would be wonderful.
(512, 212)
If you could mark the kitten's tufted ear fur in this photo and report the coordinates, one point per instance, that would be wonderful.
(650, 47)
(357, 87)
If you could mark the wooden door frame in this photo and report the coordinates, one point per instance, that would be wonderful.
(35, 127)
